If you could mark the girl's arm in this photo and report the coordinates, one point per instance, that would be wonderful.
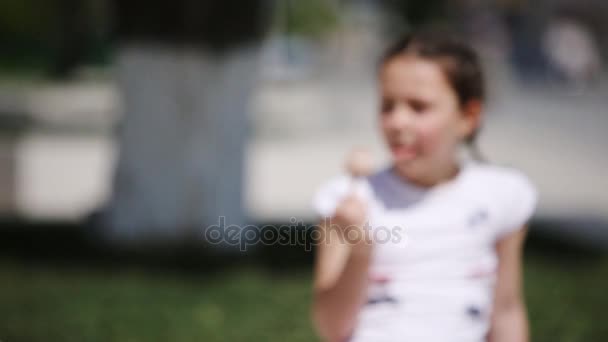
(340, 279)
(509, 319)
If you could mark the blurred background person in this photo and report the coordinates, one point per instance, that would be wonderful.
(572, 50)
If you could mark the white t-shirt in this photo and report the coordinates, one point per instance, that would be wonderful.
(434, 261)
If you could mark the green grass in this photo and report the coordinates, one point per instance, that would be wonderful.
(567, 301)
(567, 298)
(64, 305)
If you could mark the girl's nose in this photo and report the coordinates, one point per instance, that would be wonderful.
(399, 118)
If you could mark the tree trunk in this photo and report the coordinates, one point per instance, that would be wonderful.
(186, 69)
(182, 140)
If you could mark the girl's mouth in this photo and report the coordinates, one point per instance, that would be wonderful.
(403, 151)
(404, 148)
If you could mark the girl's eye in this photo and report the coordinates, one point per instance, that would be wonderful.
(419, 106)
(387, 106)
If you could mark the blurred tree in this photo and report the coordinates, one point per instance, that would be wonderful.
(418, 13)
(53, 36)
(186, 69)
(311, 18)
(71, 37)
(24, 32)
(215, 25)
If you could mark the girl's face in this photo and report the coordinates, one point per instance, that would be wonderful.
(421, 119)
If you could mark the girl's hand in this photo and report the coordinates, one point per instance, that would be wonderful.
(350, 219)
(351, 211)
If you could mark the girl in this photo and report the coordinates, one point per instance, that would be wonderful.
(429, 248)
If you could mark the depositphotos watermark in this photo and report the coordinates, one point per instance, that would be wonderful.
(296, 233)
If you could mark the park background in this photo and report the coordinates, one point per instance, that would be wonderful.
(126, 128)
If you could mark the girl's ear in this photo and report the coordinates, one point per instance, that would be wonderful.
(471, 117)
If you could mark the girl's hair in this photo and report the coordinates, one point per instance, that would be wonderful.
(458, 61)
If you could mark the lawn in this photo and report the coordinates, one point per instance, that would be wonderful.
(130, 305)
(567, 295)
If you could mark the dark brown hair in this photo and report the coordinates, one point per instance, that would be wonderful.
(458, 61)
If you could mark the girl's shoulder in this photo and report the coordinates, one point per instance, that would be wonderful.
(510, 190)
(500, 177)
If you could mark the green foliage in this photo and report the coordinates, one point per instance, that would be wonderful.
(26, 18)
(26, 29)
(418, 13)
(307, 18)
(35, 34)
